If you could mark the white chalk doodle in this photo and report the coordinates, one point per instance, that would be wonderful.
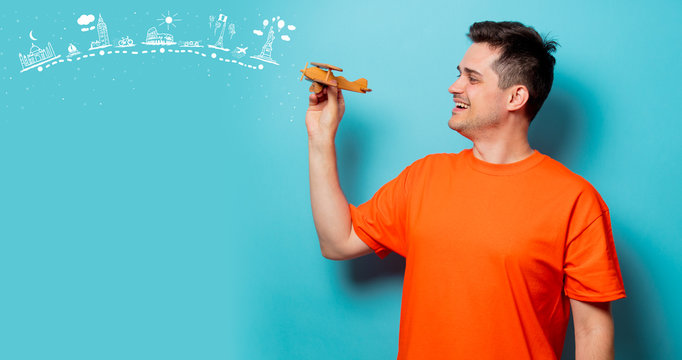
(85, 20)
(37, 57)
(241, 52)
(102, 35)
(222, 22)
(156, 38)
(42, 59)
(73, 51)
(266, 51)
(125, 41)
(191, 43)
(168, 20)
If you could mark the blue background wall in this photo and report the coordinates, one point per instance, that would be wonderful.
(157, 206)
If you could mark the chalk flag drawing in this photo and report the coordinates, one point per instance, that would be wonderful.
(222, 22)
(73, 51)
(37, 57)
(156, 38)
(266, 51)
(102, 35)
(125, 41)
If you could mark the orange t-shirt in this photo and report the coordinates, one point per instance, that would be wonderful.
(493, 254)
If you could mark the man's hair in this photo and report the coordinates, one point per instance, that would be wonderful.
(525, 58)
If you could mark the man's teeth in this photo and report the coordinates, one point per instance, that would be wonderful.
(462, 105)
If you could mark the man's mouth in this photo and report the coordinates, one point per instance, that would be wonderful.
(461, 105)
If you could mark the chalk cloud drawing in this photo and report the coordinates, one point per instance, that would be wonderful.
(168, 20)
(73, 51)
(125, 41)
(37, 57)
(85, 20)
(102, 35)
(156, 38)
(221, 23)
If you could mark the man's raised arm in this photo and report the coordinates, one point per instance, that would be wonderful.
(331, 214)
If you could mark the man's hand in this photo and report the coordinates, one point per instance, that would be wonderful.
(324, 114)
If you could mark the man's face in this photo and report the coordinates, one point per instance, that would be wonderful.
(479, 101)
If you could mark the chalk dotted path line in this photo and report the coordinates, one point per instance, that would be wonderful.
(161, 51)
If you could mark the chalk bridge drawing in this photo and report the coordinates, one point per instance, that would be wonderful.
(163, 42)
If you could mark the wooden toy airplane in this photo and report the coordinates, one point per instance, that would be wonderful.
(321, 75)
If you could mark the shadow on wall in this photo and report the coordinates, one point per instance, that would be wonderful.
(639, 320)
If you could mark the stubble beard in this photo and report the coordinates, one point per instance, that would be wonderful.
(469, 127)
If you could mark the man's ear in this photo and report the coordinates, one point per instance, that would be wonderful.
(517, 97)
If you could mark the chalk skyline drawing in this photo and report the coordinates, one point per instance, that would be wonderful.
(45, 58)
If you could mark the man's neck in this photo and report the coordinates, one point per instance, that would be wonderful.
(497, 152)
(502, 145)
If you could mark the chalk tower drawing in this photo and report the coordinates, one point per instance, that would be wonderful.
(266, 52)
(102, 35)
(36, 57)
(219, 44)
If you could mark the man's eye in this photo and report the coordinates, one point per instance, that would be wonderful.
(471, 79)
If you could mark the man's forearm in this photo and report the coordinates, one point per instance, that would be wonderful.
(595, 344)
(330, 207)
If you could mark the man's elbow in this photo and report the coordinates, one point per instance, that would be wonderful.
(332, 254)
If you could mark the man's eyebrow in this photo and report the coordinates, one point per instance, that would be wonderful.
(469, 71)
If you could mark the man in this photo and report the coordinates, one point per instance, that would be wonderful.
(500, 241)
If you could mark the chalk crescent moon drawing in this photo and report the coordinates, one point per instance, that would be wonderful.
(30, 34)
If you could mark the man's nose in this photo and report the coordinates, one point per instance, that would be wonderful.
(456, 87)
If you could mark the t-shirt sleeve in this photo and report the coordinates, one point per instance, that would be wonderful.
(591, 265)
(380, 222)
